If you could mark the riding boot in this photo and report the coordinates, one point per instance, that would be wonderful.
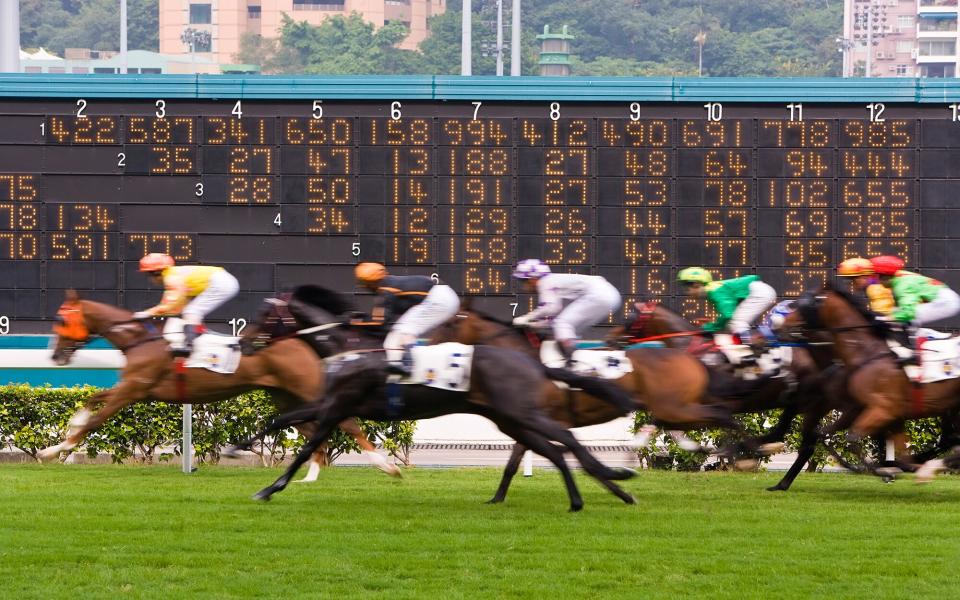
(902, 336)
(189, 335)
(567, 348)
(403, 367)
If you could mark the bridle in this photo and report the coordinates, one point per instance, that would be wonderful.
(70, 325)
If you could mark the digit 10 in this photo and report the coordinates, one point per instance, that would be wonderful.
(714, 111)
(954, 108)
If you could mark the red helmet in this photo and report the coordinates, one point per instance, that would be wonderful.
(886, 265)
(155, 262)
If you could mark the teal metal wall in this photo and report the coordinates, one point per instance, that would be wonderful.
(455, 88)
(57, 377)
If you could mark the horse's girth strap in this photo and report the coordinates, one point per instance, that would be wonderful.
(180, 370)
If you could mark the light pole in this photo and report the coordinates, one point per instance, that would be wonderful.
(515, 40)
(499, 38)
(844, 46)
(466, 39)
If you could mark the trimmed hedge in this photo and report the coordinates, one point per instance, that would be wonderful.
(32, 418)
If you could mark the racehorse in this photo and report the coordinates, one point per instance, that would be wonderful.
(289, 370)
(504, 387)
(873, 377)
(674, 386)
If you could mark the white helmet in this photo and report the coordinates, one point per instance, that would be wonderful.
(531, 268)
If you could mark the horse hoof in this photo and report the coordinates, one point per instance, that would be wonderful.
(772, 448)
(494, 500)
(263, 495)
(776, 488)
(392, 471)
(629, 499)
(48, 455)
(746, 464)
(231, 452)
(576, 507)
(623, 473)
(929, 470)
(888, 474)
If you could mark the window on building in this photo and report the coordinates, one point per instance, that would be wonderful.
(904, 46)
(318, 4)
(938, 48)
(200, 14)
(902, 70)
(904, 22)
(57, 70)
(80, 70)
(938, 24)
(104, 70)
(151, 70)
(253, 12)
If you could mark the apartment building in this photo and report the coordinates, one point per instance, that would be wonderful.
(227, 20)
(904, 38)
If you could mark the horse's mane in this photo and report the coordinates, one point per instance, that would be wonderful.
(878, 327)
(320, 297)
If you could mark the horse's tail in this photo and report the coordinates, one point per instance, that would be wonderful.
(599, 388)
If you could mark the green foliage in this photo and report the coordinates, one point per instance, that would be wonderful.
(34, 418)
(95, 24)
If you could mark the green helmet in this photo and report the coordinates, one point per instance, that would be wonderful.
(695, 275)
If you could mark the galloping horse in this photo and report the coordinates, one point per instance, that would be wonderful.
(504, 387)
(290, 370)
(873, 378)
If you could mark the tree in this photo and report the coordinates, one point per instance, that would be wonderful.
(56, 25)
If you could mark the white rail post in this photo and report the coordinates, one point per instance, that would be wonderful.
(528, 464)
(186, 451)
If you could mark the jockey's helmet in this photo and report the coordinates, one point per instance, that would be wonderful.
(531, 268)
(370, 272)
(155, 261)
(695, 275)
(886, 265)
(855, 267)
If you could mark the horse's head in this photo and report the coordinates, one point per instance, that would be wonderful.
(634, 327)
(70, 329)
(830, 310)
(273, 320)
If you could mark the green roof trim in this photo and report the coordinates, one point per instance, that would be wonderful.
(478, 88)
(237, 69)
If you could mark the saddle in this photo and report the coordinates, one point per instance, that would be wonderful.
(605, 364)
(444, 366)
(939, 356)
(211, 351)
(746, 366)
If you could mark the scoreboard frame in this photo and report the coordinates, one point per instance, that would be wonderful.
(629, 178)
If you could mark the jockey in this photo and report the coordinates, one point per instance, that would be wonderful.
(739, 302)
(192, 291)
(591, 299)
(863, 279)
(411, 304)
(920, 300)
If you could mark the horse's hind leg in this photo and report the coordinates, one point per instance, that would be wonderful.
(324, 428)
(84, 421)
(808, 443)
(544, 448)
(551, 430)
(352, 427)
(516, 455)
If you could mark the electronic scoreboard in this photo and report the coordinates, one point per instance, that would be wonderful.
(283, 192)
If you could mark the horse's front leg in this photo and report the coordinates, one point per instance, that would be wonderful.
(352, 427)
(516, 455)
(324, 428)
(86, 420)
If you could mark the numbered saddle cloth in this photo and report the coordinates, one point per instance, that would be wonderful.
(605, 364)
(211, 351)
(444, 366)
(769, 364)
(939, 356)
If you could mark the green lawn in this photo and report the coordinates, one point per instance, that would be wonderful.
(152, 532)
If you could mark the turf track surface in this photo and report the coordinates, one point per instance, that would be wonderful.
(151, 532)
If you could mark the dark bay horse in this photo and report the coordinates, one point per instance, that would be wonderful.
(873, 378)
(290, 370)
(504, 387)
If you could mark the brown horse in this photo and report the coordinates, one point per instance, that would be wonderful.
(290, 370)
(885, 397)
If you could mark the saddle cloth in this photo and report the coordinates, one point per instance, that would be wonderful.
(605, 364)
(939, 357)
(443, 366)
(769, 364)
(211, 351)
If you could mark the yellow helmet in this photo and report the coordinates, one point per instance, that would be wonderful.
(855, 267)
(695, 275)
(370, 272)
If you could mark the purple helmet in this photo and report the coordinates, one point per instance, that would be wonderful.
(530, 268)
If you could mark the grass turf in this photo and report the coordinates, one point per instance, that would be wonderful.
(151, 532)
